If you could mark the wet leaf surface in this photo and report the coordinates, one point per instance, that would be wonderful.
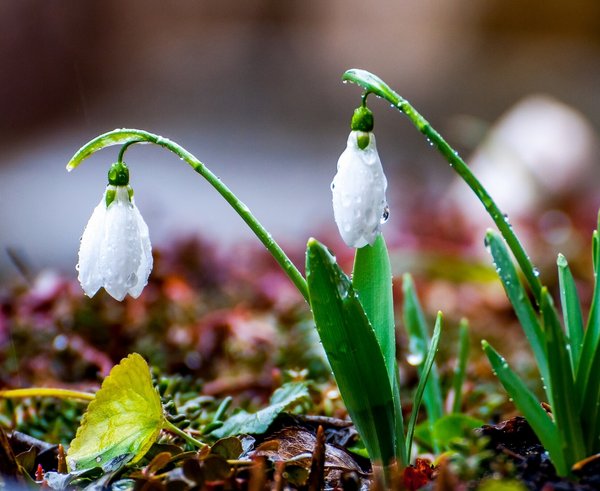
(122, 421)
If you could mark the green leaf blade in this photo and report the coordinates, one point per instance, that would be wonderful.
(419, 343)
(257, 423)
(454, 426)
(518, 298)
(530, 407)
(460, 372)
(588, 379)
(571, 307)
(353, 352)
(423, 380)
(561, 385)
(588, 368)
(590, 407)
(372, 280)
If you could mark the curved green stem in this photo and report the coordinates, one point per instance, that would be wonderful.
(374, 85)
(167, 425)
(127, 137)
(46, 392)
(124, 149)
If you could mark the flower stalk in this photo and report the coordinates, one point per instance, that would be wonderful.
(46, 392)
(128, 137)
(374, 85)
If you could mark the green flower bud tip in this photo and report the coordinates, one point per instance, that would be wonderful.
(363, 140)
(110, 195)
(362, 119)
(118, 175)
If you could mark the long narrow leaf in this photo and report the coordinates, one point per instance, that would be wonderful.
(595, 247)
(461, 368)
(353, 352)
(518, 298)
(590, 408)
(529, 406)
(571, 308)
(400, 445)
(372, 280)
(423, 380)
(561, 384)
(418, 339)
(588, 370)
(586, 379)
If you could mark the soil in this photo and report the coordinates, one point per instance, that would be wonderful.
(515, 439)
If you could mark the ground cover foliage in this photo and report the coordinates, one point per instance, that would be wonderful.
(235, 360)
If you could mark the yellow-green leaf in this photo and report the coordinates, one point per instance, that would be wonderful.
(123, 420)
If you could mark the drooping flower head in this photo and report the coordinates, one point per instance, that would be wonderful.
(115, 251)
(358, 188)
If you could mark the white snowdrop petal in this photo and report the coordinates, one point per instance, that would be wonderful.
(115, 251)
(120, 257)
(358, 190)
(90, 276)
(145, 251)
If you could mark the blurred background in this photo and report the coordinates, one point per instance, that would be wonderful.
(253, 89)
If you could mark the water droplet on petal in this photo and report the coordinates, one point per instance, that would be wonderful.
(385, 215)
(131, 280)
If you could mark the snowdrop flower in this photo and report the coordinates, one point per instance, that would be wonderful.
(115, 251)
(359, 203)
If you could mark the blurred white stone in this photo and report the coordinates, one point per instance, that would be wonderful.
(538, 153)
